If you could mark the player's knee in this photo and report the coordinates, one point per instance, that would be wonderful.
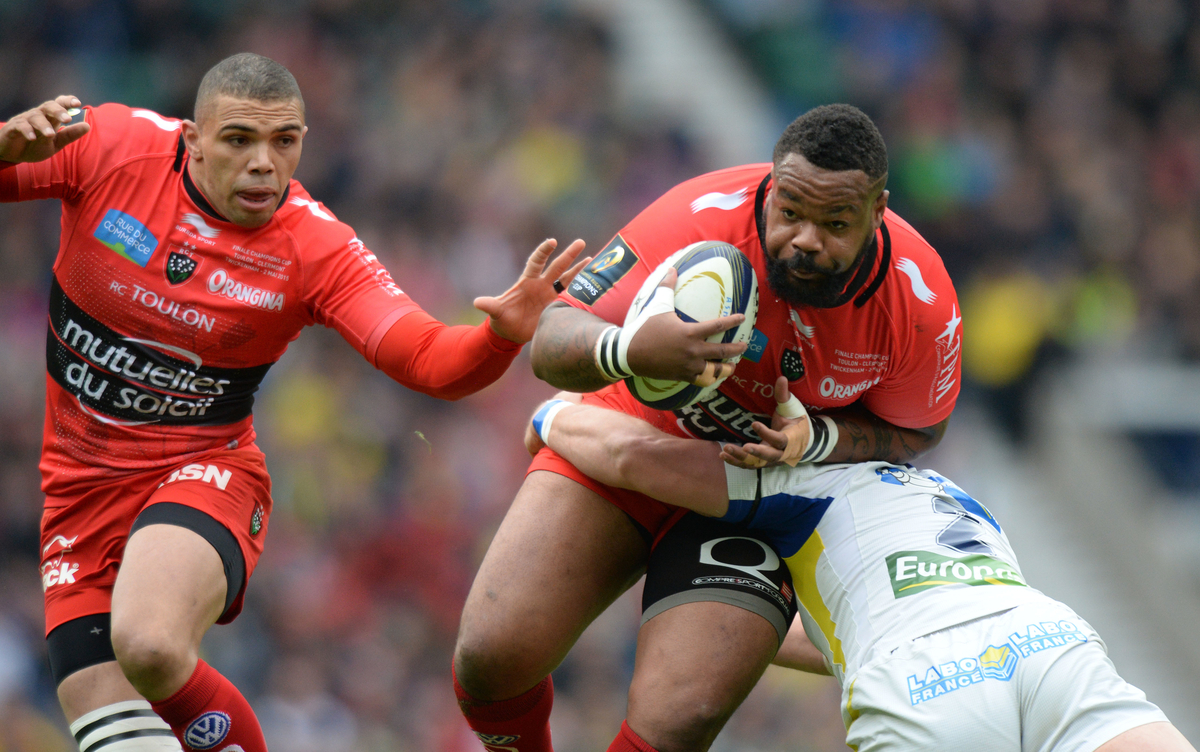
(688, 729)
(686, 719)
(490, 671)
(479, 670)
(151, 659)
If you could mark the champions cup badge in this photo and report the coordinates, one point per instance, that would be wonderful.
(180, 266)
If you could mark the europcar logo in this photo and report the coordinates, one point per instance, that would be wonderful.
(127, 236)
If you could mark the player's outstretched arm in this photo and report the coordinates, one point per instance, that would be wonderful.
(626, 452)
(38, 134)
(854, 434)
(657, 344)
(514, 313)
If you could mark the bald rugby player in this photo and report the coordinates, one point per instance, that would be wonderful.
(189, 259)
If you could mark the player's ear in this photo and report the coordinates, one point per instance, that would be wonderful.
(881, 203)
(191, 139)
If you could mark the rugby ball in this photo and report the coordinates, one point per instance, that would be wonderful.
(715, 279)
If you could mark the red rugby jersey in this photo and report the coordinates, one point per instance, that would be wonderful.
(898, 351)
(164, 318)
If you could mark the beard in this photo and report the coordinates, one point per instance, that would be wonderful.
(826, 291)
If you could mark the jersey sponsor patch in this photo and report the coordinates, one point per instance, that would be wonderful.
(127, 236)
(718, 417)
(56, 571)
(996, 662)
(756, 346)
(913, 572)
(220, 283)
(949, 345)
(598, 277)
(123, 380)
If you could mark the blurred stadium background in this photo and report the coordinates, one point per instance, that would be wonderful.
(1049, 149)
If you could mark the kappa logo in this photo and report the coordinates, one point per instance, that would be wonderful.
(208, 730)
(919, 288)
(313, 207)
(196, 221)
(723, 201)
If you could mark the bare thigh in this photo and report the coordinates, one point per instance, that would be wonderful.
(561, 556)
(169, 591)
(695, 665)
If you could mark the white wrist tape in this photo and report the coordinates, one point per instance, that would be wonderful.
(612, 346)
(792, 409)
(822, 439)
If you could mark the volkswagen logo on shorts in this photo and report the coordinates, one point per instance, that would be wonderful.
(207, 731)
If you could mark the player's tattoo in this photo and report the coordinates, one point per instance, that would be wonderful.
(562, 349)
(870, 437)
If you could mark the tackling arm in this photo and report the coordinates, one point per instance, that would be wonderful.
(626, 452)
(798, 652)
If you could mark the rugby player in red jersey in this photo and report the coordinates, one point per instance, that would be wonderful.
(856, 311)
(189, 259)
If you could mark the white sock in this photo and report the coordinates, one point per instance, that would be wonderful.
(124, 727)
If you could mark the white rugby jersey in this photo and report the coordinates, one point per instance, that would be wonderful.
(879, 553)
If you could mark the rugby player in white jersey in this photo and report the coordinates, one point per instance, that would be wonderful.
(909, 592)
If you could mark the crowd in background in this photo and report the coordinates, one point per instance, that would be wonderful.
(1049, 149)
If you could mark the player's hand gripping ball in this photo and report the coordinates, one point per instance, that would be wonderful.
(715, 279)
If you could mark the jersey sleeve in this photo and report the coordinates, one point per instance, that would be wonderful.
(923, 389)
(346, 288)
(447, 362)
(69, 173)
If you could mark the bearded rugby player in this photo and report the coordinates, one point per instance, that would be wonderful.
(189, 259)
(859, 316)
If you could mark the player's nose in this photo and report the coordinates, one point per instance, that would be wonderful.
(806, 240)
(260, 159)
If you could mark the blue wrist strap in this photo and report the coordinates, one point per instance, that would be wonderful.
(545, 416)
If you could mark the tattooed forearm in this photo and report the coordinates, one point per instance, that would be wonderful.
(562, 349)
(865, 436)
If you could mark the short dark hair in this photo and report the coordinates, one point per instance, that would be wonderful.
(835, 137)
(248, 76)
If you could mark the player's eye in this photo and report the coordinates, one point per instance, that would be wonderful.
(839, 225)
(285, 141)
(238, 141)
(789, 214)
